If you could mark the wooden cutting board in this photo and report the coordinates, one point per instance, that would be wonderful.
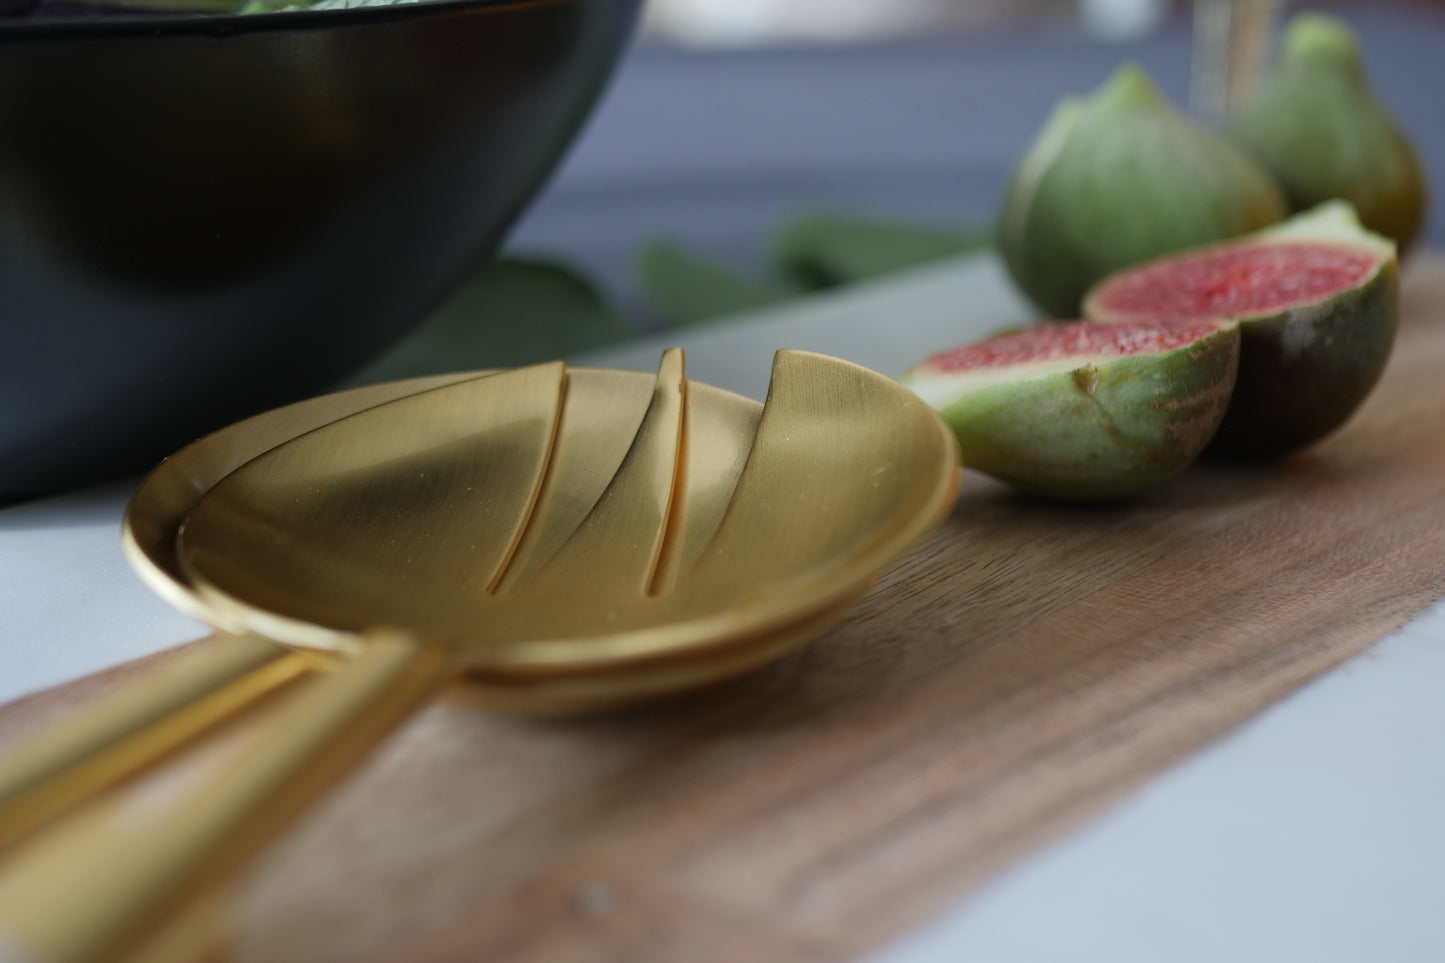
(1025, 667)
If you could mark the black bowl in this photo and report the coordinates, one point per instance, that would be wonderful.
(202, 217)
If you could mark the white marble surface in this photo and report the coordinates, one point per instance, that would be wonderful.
(70, 603)
(1311, 833)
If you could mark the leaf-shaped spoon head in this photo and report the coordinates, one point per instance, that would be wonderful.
(548, 524)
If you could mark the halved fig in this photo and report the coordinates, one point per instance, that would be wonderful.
(1317, 298)
(1082, 411)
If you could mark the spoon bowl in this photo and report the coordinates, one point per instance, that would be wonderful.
(466, 514)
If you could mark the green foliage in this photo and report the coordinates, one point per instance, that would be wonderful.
(810, 252)
(523, 310)
(508, 312)
(826, 249)
(684, 288)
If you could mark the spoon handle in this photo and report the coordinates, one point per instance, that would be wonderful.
(97, 885)
(118, 735)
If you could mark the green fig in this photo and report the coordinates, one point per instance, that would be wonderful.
(1119, 178)
(1316, 125)
(1081, 411)
(1317, 298)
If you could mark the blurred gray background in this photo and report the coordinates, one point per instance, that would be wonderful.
(731, 114)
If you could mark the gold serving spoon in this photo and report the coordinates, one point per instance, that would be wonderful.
(523, 557)
(370, 522)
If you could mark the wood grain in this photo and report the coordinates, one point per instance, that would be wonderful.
(1025, 667)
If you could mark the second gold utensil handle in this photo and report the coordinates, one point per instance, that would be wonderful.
(122, 733)
(91, 887)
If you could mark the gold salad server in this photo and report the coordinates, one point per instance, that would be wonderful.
(566, 539)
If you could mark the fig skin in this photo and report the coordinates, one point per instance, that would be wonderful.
(1117, 179)
(1287, 399)
(1316, 125)
(1303, 371)
(1102, 430)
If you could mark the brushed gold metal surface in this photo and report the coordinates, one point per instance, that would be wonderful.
(601, 414)
(634, 684)
(94, 885)
(707, 475)
(103, 743)
(174, 487)
(610, 558)
(842, 471)
(600, 417)
(393, 516)
(723, 538)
